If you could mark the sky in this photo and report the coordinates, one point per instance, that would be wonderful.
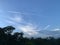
(36, 18)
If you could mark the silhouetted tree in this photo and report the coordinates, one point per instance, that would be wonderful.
(21, 34)
(8, 29)
(6, 38)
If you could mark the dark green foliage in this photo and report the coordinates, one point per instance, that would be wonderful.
(6, 38)
(8, 29)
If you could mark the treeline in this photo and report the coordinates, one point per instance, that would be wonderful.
(7, 38)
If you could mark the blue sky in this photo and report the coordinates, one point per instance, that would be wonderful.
(32, 17)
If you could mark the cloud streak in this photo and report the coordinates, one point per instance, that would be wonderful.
(26, 27)
(46, 27)
(56, 29)
(15, 12)
(29, 28)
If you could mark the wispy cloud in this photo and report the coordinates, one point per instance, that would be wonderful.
(29, 29)
(26, 27)
(13, 12)
(16, 19)
(46, 27)
(56, 29)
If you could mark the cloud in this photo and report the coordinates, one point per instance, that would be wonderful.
(26, 27)
(46, 27)
(16, 19)
(21, 13)
(13, 12)
(57, 29)
(10, 22)
(29, 29)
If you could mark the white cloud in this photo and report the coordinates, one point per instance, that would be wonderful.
(29, 29)
(57, 29)
(16, 19)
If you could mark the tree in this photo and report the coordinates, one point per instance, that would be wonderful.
(8, 29)
(21, 34)
(18, 35)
